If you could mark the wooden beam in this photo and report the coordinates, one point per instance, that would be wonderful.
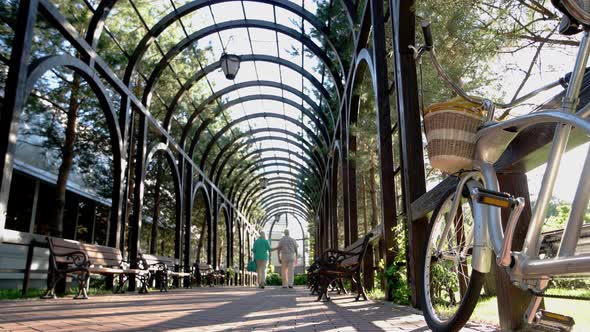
(512, 301)
(428, 202)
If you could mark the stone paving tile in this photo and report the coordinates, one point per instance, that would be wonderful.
(212, 309)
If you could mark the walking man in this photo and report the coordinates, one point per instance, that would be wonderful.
(287, 251)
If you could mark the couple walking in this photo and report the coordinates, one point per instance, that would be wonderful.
(287, 251)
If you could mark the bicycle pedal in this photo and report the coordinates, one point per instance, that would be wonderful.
(494, 198)
(552, 322)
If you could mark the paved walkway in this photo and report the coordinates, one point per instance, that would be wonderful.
(211, 309)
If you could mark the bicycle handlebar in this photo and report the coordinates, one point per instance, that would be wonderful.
(427, 34)
(429, 47)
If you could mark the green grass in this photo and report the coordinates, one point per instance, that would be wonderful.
(35, 293)
(13, 294)
(376, 294)
(486, 310)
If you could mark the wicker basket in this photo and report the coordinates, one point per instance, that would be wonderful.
(450, 131)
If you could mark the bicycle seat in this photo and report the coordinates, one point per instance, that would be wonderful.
(564, 81)
(576, 13)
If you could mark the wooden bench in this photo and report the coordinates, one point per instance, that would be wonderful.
(336, 265)
(204, 271)
(162, 268)
(80, 260)
(551, 241)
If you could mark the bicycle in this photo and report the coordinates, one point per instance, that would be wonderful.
(465, 231)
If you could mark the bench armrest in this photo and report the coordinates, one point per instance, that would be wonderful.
(78, 258)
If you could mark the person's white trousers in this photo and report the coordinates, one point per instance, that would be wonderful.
(261, 271)
(287, 270)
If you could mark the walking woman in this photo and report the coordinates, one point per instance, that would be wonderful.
(261, 250)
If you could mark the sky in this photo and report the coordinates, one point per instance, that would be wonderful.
(553, 64)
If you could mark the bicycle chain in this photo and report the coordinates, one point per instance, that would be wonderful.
(555, 296)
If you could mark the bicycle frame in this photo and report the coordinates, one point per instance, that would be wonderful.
(491, 143)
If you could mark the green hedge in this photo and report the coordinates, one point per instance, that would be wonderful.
(274, 279)
(300, 280)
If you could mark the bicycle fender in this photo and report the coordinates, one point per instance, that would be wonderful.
(482, 251)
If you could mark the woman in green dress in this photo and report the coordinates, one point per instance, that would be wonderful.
(261, 250)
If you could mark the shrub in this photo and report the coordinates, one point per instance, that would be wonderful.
(300, 280)
(274, 279)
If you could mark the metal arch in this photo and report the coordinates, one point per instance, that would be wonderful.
(364, 61)
(248, 171)
(253, 167)
(163, 148)
(319, 125)
(245, 58)
(237, 187)
(290, 195)
(234, 87)
(296, 216)
(252, 201)
(102, 12)
(246, 118)
(42, 65)
(257, 188)
(202, 188)
(255, 152)
(227, 217)
(196, 36)
(268, 201)
(295, 188)
(282, 202)
(351, 13)
(261, 163)
(96, 25)
(234, 189)
(300, 143)
(269, 215)
(195, 188)
(292, 190)
(236, 24)
(188, 8)
(288, 205)
(256, 185)
(283, 150)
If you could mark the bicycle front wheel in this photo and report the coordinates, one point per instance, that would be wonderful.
(450, 287)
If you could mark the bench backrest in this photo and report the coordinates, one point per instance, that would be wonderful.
(360, 248)
(154, 259)
(97, 254)
(204, 267)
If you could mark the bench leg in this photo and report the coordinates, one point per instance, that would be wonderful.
(324, 283)
(83, 283)
(121, 284)
(163, 282)
(360, 288)
(52, 279)
(144, 280)
(342, 289)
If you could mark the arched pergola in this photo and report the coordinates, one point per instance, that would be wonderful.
(269, 141)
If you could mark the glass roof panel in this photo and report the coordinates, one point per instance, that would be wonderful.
(288, 19)
(259, 11)
(263, 41)
(227, 11)
(268, 71)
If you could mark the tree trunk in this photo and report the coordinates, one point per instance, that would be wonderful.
(156, 211)
(130, 186)
(373, 195)
(56, 222)
(201, 237)
(364, 203)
